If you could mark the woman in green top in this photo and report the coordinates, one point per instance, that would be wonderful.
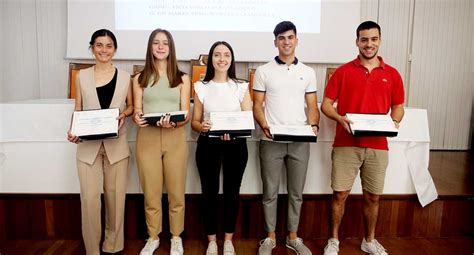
(162, 150)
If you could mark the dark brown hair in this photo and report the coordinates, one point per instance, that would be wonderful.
(366, 25)
(103, 32)
(210, 71)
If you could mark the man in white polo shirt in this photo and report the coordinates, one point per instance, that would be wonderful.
(284, 85)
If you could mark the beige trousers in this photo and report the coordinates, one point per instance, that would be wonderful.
(162, 159)
(112, 179)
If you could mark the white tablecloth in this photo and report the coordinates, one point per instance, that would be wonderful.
(35, 156)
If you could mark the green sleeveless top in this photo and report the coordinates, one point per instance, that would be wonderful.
(160, 97)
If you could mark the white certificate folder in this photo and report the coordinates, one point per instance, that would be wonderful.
(95, 124)
(372, 125)
(236, 124)
(176, 116)
(293, 133)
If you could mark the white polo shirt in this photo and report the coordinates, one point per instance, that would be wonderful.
(285, 87)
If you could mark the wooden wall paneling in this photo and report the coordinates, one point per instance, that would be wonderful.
(3, 229)
(307, 226)
(420, 220)
(11, 214)
(58, 217)
(315, 216)
(67, 215)
(352, 223)
(238, 224)
(282, 214)
(325, 206)
(435, 219)
(26, 219)
(254, 213)
(383, 223)
(49, 217)
(457, 218)
(394, 209)
(194, 227)
(134, 217)
(405, 220)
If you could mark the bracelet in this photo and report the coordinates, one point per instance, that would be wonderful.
(315, 125)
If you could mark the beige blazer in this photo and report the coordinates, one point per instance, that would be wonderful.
(116, 149)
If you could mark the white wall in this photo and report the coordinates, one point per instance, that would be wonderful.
(33, 47)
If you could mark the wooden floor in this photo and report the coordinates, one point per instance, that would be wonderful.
(197, 247)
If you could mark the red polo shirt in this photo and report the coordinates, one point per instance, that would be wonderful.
(358, 91)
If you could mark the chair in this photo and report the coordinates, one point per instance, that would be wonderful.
(73, 72)
(329, 72)
(137, 69)
(251, 75)
(198, 72)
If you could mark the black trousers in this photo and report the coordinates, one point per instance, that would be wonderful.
(211, 154)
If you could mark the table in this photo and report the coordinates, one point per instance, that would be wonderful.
(35, 156)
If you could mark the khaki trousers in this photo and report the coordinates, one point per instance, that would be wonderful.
(162, 159)
(112, 179)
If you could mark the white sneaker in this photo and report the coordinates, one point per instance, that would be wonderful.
(373, 247)
(266, 246)
(298, 246)
(332, 248)
(211, 248)
(228, 248)
(176, 246)
(150, 246)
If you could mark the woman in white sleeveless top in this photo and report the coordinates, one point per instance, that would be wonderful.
(220, 91)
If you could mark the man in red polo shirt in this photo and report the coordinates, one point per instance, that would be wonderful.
(364, 85)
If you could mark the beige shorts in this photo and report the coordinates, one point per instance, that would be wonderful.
(346, 163)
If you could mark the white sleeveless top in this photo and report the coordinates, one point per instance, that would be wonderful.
(221, 97)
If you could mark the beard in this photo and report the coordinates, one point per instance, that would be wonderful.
(361, 53)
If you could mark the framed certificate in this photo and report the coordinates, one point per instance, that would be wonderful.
(177, 116)
(372, 125)
(236, 124)
(293, 133)
(95, 124)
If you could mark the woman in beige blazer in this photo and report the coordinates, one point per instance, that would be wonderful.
(102, 165)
